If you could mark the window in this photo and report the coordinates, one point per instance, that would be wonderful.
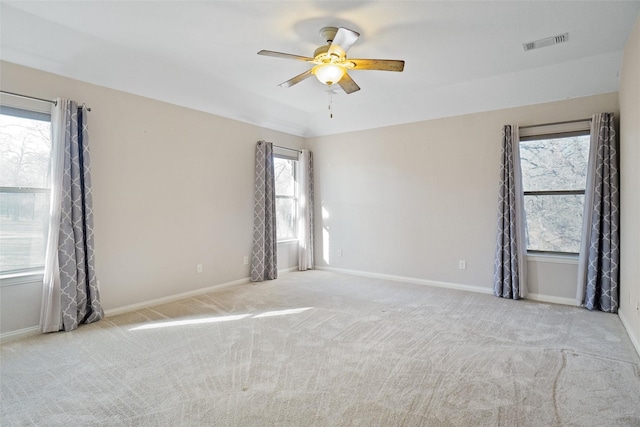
(25, 157)
(554, 176)
(286, 200)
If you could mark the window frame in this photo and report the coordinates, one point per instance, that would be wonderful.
(581, 128)
(34, 112)
(294, 160)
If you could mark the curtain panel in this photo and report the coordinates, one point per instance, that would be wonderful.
(305, 210)
(264, 253)
(70, 292)
(510, 273)
(598, 266)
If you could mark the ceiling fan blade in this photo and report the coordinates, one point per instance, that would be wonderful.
(296, 79)
(377, 64)
(284, 55)
(344, 38)
(347, 84)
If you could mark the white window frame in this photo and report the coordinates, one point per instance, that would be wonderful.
(554, 131)
(37, 111)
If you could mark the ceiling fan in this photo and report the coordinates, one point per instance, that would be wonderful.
(331, 63)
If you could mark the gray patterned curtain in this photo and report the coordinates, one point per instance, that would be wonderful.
(509, 274)
(305, 214)
(70, 294)
(264, 256)
(598, 267)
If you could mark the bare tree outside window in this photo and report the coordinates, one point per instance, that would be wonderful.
(554, 175)
(25, 157)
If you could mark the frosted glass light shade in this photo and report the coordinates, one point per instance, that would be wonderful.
(328, 73)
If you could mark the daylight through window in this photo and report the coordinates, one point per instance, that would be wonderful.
(286, 200)
(25, 157)
(554, 176)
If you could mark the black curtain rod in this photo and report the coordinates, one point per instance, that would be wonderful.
(555, 123)
(285, 148)
(33, 98)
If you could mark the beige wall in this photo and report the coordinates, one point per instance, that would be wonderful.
(413, 200)
(172, 188)
(630, 185)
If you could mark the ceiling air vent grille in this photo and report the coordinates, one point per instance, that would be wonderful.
(549, 41)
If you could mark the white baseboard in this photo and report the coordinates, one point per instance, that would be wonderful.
(20, 333)
(413, 280)
(172, 298)
(553, 300)
(34, 330)
(632, 337)
(448, 285)
(183, 295)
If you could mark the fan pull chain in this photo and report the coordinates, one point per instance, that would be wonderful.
(330, 104)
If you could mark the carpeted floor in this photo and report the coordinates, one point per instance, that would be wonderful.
(324, 349)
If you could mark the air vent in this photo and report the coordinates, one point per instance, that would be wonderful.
(549, 41)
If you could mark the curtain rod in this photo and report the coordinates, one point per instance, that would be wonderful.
(34, 98)
(28, 97)
(285, 148)
(555, 123)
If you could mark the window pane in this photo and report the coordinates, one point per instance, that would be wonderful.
(286, 203)
(25, 152)
(554, 223)
(555, 164)
(23, 230)
(284, 170)
(285, 218)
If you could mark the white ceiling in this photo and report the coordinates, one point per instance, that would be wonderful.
(461, 57)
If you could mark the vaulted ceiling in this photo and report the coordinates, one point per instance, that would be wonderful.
(461, 57)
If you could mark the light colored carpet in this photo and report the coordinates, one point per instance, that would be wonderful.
(324, 349)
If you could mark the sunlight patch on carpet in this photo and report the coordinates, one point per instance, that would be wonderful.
(219, 319)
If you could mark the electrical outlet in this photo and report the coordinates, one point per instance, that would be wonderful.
(199, 268)
(462, 265)
(246, 260)
(339, 252)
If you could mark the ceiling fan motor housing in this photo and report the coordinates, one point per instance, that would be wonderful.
(322, 55)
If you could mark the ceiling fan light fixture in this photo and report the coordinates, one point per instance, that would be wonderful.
(330, 61)
(328, 74)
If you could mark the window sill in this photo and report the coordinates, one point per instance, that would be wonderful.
(21, 278)
(553, 258)
(288, 241)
